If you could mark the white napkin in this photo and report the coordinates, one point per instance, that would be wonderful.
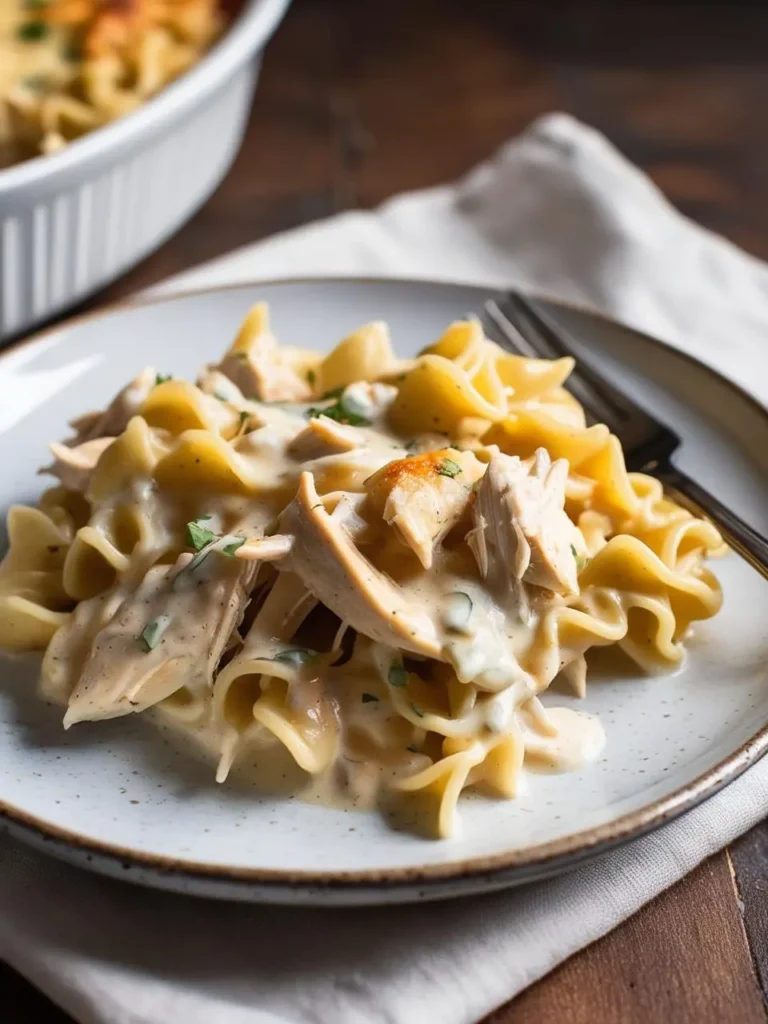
(559, 211)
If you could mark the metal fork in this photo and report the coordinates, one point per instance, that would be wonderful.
(520, 325)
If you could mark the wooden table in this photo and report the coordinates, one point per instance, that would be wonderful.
(360, 99)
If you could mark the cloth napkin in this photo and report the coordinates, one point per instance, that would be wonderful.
(559, 211)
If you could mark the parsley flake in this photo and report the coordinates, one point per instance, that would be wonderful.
(368, 698)
(417, 711)
(339, 413)
(296, 656)
(151, 634)
(230, 549)
(311, 378)
(413, 750)
(32, 31)
(398, 674)
(448, 468)
(161, 378)
(198, 536)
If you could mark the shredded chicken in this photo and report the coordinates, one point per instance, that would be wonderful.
(259, 367)
(423, 497)
(330, 565)
(183, 638)
(75, 466)
(113, 421)
(323, 436)
(522, 533)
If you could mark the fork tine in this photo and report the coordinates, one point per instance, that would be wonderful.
(501, 328)
(601, 399)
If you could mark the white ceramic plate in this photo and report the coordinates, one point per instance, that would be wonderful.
(117, 797)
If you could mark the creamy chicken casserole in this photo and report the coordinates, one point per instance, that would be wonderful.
(366, 566)
(69, 66)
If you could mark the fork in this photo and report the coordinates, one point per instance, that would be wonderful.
(520, 325)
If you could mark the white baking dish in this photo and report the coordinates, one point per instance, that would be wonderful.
(72, 222)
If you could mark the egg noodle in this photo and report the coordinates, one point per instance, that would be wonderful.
(69, 66)
(372, 564)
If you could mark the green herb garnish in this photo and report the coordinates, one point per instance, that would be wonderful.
(72, 52)
(199, 536)
(32, 31)
(297, 656)
(367, 698)
(153, 631)
(161, 378)
(417, 711)
(221, 398)
(413, 750)
(230, 549)
(339, 413)
(448, 468)
(35, 83)
(398, 674)
(311, 378)
(581, 561)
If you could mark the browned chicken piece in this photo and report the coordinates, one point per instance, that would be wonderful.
(522, 533)
(324, 556)
(259, 367)
(424, 496)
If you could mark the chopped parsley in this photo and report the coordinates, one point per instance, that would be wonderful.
(413, 750)
(32, 31)
(199, 536)
(417, 711)
(151, 634)
(338, 412)
(230, 549)
(581, 561)
(311, 378)
(72, 52)
(36, 83)
(161, 378)
(221, 398)
(398, 674)
(297, 656)
(448, 468)
(369, 698)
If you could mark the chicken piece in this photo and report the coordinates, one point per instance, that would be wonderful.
(259, 367)
(368, 400)
(323, 436)
(113, 421)
(326, 559)
(522, 533)
(424, 496)
(170, 632)
(75, 466)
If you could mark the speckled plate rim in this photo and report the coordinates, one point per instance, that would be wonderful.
(435, 881)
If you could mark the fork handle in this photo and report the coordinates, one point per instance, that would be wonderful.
(750, 544)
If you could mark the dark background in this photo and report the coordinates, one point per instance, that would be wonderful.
(360, 99)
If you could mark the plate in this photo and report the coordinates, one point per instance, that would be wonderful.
(121, 798)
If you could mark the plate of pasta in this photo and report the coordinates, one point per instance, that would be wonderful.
(370, 613)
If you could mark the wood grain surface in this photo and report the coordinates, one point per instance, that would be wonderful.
(359, 100)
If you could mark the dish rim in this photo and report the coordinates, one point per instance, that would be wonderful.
(535, 861)
(246, 35)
